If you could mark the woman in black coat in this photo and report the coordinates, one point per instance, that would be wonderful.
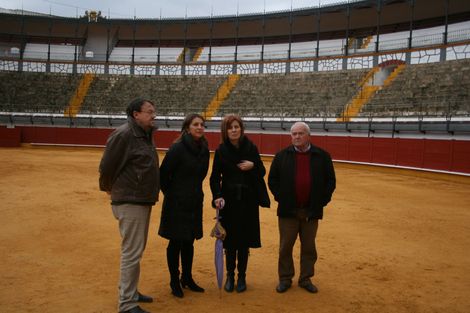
(238, 188)
(181, 174)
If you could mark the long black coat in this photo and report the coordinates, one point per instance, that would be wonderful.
(181, 174)
(241, 192)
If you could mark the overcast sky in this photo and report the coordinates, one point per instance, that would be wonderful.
(153, 8)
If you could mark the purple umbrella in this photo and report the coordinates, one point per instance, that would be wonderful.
(219, 233)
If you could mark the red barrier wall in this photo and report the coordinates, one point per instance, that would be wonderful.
(64, 136)
(10, 137)
(444, 155)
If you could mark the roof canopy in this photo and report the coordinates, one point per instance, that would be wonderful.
(353, 19)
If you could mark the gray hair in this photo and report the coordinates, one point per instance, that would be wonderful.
(303, 124)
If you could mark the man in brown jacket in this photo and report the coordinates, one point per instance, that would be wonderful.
(129, 172)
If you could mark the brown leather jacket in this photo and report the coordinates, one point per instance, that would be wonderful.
(129, 166)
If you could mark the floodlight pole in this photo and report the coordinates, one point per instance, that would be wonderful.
(183, 62)
(237, 26)
(75, 53)
(133, 46)
(263, 26)
(443, 54)
(290, 40)
(377, 42)
(108, 48)
(211, 27)
(410, 37)
(159, 30)
(346, 46)
(48, 62)
(317, 49)
(23, 43)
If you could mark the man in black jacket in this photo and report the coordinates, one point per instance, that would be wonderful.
(302, 180)
(129, 172)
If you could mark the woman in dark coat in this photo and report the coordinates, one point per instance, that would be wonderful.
(181, 174)
(238, 188)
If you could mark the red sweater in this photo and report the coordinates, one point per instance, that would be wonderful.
(303, 178)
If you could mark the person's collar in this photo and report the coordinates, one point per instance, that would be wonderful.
(302, 150)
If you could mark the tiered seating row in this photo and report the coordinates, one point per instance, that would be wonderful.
(435, 89)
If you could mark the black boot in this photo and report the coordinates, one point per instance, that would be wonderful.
(241, 283)
(187, 255)
(176, 288)
(191, 284)
(241, 266)
(230, 257)
(230, 282)
(172, 257)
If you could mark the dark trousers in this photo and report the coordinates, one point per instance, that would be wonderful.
(173, 251)
(289, 229)
(234, 255)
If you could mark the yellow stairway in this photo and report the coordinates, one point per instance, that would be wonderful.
(197, 54)
(182, 54)
(358, 101)
(351, 42)
(366, 42)
(185, 51)
(393, 74)
(366, 92)
(79, 95)
(368, 76)
(220, 96)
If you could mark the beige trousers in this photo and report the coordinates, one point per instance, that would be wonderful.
(133, 226)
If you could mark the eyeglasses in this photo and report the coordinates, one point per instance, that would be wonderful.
(152, 113)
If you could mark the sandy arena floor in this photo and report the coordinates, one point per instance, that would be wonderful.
(391, 241)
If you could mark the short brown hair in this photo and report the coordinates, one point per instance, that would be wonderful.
(226, 122)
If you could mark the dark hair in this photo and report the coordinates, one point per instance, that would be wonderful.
(226, 122)
(136, 105)
(187, 122)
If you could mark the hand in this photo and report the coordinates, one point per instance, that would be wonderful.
(245, 165)
(219, 203)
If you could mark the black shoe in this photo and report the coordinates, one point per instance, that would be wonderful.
(283, 286)
(144, 298)
(176, 289)
(229, 284)
(241, 284)
(136, 309)
(307, 285)
(191, 284)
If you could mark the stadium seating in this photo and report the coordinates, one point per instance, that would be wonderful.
(299, 94)
(434, 89)
(175, 95)
(36, 92)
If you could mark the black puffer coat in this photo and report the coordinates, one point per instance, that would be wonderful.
(181, 174)
(241, 192)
